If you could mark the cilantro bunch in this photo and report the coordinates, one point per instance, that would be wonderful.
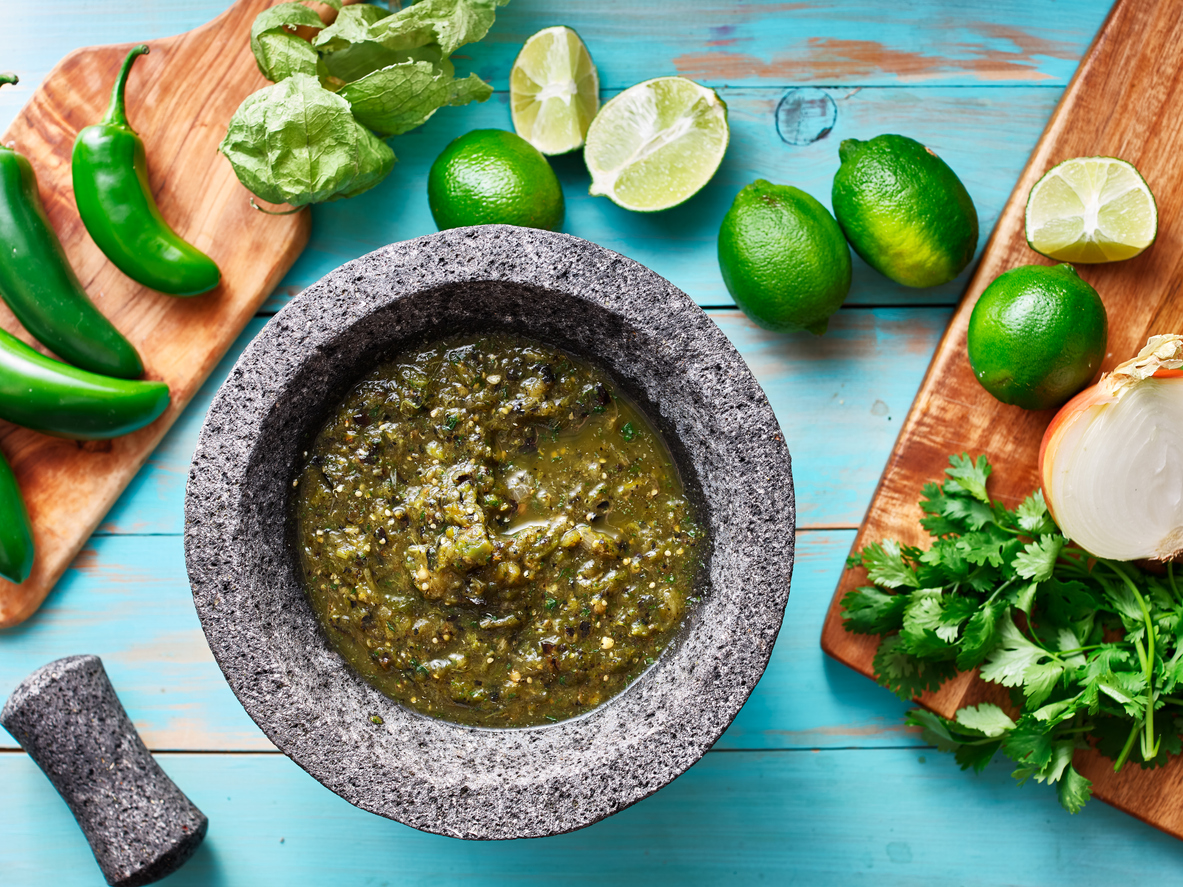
(1090, 650)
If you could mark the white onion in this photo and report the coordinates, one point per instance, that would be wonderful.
(1111, 461)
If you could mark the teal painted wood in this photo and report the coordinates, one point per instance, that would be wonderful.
(839, 408)
(886, 817)
(126, 599)
(769, 44)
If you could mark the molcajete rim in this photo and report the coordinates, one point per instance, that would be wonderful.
(435, 775)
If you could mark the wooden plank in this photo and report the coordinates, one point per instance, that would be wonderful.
(181, 112)
(1125, 101)
(994, 133)
(126, 599)
(734, 818)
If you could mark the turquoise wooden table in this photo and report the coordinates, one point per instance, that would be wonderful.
(817, 781)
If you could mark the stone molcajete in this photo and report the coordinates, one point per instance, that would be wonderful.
(434, 775)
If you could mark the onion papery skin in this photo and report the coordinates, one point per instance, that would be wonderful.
(1111, 466)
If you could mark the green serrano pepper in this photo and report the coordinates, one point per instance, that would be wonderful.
(56, 398)
(116, 204)
(38, 284)
(16, 534)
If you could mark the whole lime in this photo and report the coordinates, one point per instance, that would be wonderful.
(1037, 336)
(783, 258)
(904, 210)
(493, 177)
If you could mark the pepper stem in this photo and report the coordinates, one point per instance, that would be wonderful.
(117, 111)
(8, 77)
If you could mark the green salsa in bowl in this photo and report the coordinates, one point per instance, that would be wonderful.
(490, 532)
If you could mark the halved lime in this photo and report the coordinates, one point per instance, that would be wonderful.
(1091, 209)
(554, 91)
(656, 144)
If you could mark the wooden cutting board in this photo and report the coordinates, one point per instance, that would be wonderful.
(1126, 101)
(180, 99)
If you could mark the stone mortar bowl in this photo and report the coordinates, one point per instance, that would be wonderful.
(434, 775)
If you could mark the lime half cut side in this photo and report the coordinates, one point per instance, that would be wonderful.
(1091, 209)
(656, 144)
(554, 91)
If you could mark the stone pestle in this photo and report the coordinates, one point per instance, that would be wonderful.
(140, 826)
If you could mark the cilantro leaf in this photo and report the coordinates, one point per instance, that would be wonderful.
(906, 675)
(1057, 712)
(1030, 744)
(934, 729)
(1033, 517)
(1039, 679)
(868, 610)
(936, 520)
(976, 755)
(1038, 559)
(981, 635)
(1119, 596)
(1126, 688)
(1008, 662)
(1061, 758)
(1024, 596)
(974, 515)
(987, 718)
(967, 744)
(1073, 790)
(932, 621)
(1067, 603)
(970, 475)
(885, 565)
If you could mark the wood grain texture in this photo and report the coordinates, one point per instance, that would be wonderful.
(1126, 100)
(180, 99)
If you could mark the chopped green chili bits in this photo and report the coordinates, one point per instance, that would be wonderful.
(492, 535)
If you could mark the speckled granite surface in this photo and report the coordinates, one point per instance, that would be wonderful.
(433, 775)
(140, 826)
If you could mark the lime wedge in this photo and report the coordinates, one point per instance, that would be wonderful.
(1091, 209)
(656, 144)
(554, 91)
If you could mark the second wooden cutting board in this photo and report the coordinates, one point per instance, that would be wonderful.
(1126, 101)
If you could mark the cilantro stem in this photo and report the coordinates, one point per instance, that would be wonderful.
(1127, 748)
(999, 590)
(1149, 743)
(1082, 649)
(1171, 579)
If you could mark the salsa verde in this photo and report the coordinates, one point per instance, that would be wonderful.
(490, 533)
